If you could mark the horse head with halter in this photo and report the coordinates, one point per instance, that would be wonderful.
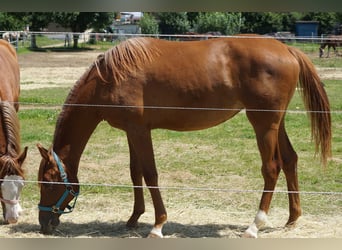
(54, 180)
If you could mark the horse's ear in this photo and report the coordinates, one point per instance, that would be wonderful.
(43, 151)
(22, 157)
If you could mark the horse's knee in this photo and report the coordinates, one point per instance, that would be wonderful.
(270, 171)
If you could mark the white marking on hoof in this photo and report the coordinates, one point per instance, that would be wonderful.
(251, 232)
(259, 221)
(156, 233)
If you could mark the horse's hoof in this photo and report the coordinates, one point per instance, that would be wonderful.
(249, 234)
(156, 233)
(291, 225)
(132, 223)
(156, 236)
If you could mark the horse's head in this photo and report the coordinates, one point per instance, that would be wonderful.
(12, 182)
(55, 190)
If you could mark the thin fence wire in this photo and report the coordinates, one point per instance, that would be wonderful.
(184, 188)
(55, 105)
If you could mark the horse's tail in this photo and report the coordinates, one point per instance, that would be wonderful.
(316, 103)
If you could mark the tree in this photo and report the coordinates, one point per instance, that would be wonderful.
(9, 21)
(80, 21)
(327, 21)
(226, 23)
(262, 22)
(173, 22)
(148, 24)
(37, 21)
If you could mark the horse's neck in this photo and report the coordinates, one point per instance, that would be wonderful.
(72, 133)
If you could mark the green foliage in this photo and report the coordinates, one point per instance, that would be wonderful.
(268, 22)
(327, 21)
(173, 22)
(148, 24)
(262, 23)
(80, 21)
(226, 23)
(36, 20)
(9, 21)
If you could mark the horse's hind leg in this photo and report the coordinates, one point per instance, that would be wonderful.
(290, 158)
(136, 176)
(267, 139)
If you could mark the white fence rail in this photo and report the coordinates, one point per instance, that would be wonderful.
(23, 38)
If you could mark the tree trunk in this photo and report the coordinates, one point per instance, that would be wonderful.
(76, 41)
(33, 41)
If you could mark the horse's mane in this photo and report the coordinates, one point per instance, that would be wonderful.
(115, 65)
(10, 124)
(125, 58)
(120, 61)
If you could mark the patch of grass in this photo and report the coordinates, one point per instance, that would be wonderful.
(51, 96)
(37, 125)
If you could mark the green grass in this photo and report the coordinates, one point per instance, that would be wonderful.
(43, 96)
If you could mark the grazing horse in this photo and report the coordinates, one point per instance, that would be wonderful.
(145, 83)
(332, 42)
(11, 172)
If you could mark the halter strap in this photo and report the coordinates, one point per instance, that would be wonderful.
(10, 202)
(69, 190)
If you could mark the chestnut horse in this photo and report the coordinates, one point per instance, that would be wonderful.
(145, 83)
(11, 172)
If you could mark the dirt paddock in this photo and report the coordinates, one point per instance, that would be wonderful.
(108, 217)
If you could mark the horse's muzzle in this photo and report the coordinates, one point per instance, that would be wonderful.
(48, 222)
(12, 220)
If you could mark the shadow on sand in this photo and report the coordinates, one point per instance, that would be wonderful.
(119, 230)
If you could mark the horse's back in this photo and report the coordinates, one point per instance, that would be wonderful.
(234, 66)
(9, 72)
(215, 77)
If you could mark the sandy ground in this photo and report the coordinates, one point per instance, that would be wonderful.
(107, 217)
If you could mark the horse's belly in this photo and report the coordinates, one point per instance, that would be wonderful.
(188, 120)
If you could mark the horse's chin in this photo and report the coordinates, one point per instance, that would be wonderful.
(49, 226)
(47, 229)
(11, 221)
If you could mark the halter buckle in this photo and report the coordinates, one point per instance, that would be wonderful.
(55, 209)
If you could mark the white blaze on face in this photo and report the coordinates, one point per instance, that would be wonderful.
(11, 189)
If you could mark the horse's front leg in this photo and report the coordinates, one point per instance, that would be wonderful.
(141, 144)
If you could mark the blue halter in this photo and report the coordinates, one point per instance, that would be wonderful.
(69, 190)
